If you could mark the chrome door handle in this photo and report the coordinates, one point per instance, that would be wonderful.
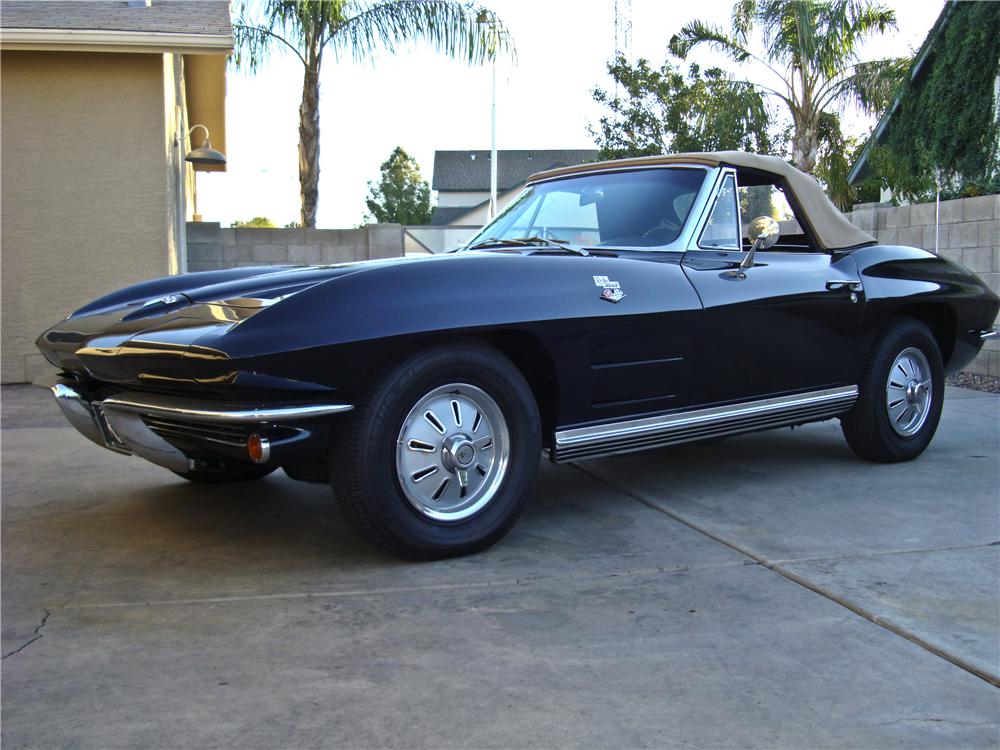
(838, 284)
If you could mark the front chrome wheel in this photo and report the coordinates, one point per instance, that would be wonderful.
(909, 392)
(453, 452)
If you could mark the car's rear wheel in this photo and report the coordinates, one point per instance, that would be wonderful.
(901, 395)
(440, 455)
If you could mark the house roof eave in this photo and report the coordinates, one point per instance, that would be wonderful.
(99, 40)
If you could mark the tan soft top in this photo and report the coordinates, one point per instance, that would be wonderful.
(832, 229)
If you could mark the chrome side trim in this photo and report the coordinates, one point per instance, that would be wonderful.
(988, 333)
(204, 411)
(671, 429)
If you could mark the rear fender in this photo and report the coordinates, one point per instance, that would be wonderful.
(943, 294)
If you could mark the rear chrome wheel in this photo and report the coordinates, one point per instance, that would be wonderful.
(453, 452)
(900, 395)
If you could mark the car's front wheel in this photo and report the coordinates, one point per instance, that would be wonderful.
(901, 395)
(439, 457)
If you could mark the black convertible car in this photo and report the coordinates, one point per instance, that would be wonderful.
(610, 308)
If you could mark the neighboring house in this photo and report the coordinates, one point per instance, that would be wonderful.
(462, 182)
(947, 29)
(96, 100)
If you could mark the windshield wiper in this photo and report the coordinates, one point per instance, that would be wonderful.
(528, 242)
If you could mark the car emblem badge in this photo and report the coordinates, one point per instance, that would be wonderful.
(166, 300)
(610, 290)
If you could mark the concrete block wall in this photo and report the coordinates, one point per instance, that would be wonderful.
(211, 247)
(969, 233)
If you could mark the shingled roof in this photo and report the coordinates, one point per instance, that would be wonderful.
(208, 17)
(470, 170)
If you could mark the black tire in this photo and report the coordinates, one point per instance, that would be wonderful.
(230, 473)
(363, 471)
(867, 426)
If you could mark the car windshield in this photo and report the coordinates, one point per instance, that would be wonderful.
(644, 208)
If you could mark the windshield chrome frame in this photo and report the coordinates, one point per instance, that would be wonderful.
(688, 232)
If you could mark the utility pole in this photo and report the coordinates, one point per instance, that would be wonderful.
(493, 147)
(496, 34)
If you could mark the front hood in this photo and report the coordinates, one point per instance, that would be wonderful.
(270, 285)
(166, 317)
(239, 287)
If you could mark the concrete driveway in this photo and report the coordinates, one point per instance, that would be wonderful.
(771, 590)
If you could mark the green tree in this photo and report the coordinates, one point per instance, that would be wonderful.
(309, 28)
(662, 110)
(401, 195)
(256, 221)
(945, 132)
(837, 154)
(811, 52)
(756, 201)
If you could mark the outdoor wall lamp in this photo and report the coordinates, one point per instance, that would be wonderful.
(206, 154)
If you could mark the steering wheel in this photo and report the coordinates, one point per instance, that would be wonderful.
(666, 228)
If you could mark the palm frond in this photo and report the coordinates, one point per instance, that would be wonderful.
(845, 26)
(872, 85)
(261, 25)
(699, 32)
(452, 28)
(744, 16)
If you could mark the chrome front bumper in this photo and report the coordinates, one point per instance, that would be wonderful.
(119, 423)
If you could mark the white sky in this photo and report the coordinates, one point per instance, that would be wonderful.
(424, 102)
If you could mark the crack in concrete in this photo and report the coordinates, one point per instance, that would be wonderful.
(389, 590)
(803, 582)
(935, 721)
(38, 635)
(888, 553)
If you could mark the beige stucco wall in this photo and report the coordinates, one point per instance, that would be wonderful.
(179, 173)
(448, 198)
(84, 187)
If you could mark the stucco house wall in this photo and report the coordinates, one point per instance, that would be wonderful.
(84, 185)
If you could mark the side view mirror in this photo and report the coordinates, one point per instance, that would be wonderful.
(763, 232)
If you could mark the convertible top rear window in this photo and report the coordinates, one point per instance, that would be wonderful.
(643, 208)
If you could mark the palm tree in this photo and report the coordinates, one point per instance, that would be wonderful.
(308, 28)
(811, 48)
